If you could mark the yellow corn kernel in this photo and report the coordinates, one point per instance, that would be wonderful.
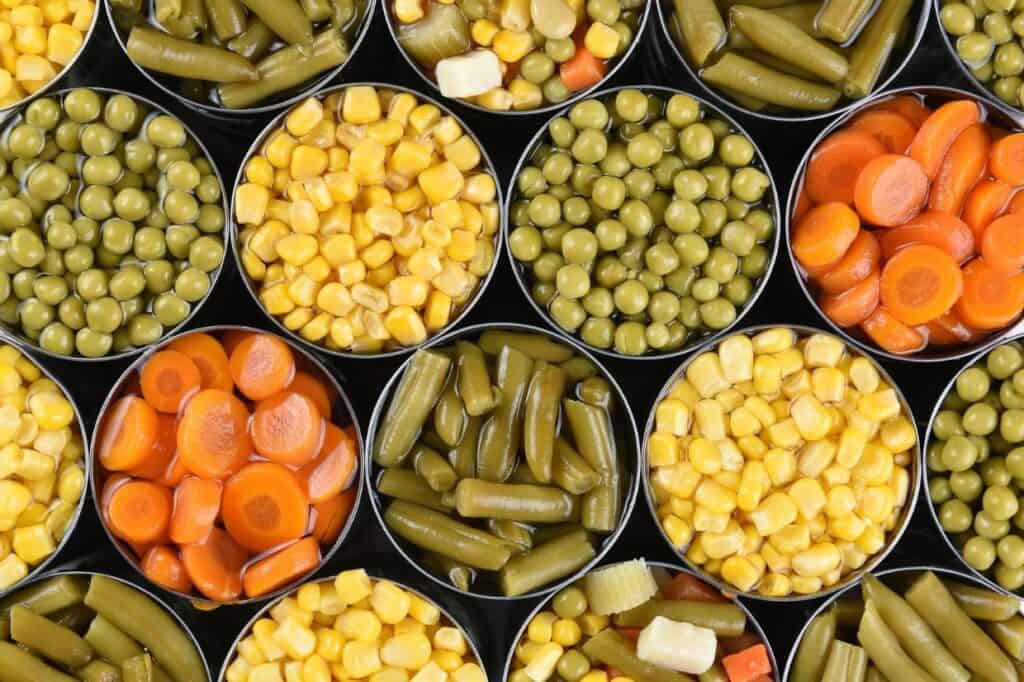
(752, 486)
(351, 274)
(441, 182)
(377, 254)
(522, 94)
(818, 527)
(678, 531)
(251, 203)
(408, 624)
(809, 497)
(411, 157)
(471, 672)
(707, 521)
(715, 496)
(63, 42)
(709, 419)
(775, 585)
(781, 465)
(71, 483)
(740, 572)
(602, 40)
(790, 361)
(357, 623)
(684, 392)
(462, 246)
(34, 465)
(360, 659)
(318, 269)
(761, 409)
(329, 644)
(352, 586)
(303, 290)
(737, 358)
(454, 280)
(446, 131)
(512, 45)
(835, 475)
(812, 420)
(361, 105)
(672, 417)
(804, 584)
(773, 514)
(847, 527)
(342, 185)
(278, 150)
(32, 543)
(276, 300)
(776, 561)
(705, 456)
(751, 447)
(743, 423)
(871, 540)
(796, 537)
(481, 189)
(828, 384)
(424, 117)
(705, 374)
(304, 117)
(817, 560)
(773, 340)
(338, 249)
(815, 457)
(296, 639)
(767, 375)
(463, 152)
(447, 213)
(408, 290)
(449, 638)
(540, 629)
(823, 350)
(410, 200)
(370, 297)
(730, 478)
(448, 661)
(390, 602)
(797, 384)
(405, 325)
(662, 450)
(864, 376)
(880, 405)
(307, 162)
(784, 434)
(851, 447)
(483, 32)
(317, 328)
(238, 671)
(438, 310)
(400, 106)
(409, 650)
(841, 501)
(898, 434)
(729, 399)
(875, 466)
(721, 544)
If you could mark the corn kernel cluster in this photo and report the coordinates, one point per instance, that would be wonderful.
(42, 474)
(38, 38)
(354, 627)
(780, 464)
(367, 220)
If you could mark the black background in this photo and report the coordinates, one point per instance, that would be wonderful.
(494, 623)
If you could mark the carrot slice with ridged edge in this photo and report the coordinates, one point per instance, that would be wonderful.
(263, 506)
(821, 238)
(988, 200)
(209, 357)
(168, 379)
(937, 228)
(992, 299)
(213, 434)
(964, 167)
(907, 106)
(920, 283)
(892, 335)
(215, 566)
(128, 433)
(139, 511)
(287, 428)
(890, 190)
(281, 567)
(888, 127)
(261, 365)
(1007, 159)
(1002, 245)
(162, 565)
(836, 163)
(859, 261)
(334, 468)
(849, 308)
(196, 507)
(937, 134)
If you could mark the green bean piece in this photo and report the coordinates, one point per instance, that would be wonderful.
(875, 675)
(474, 382)
(164, 10)
(546, 563)
(591, 431)
(1009, 634)
(780, 38)
(99, 671)
(545, 534)
(433, 468)
(342, 12)
(839, 20)
(479, 499)
(522, 474)
(745, 101)
(884, 649)
(459, 575)
(754, 80)
(318, 10)
(534, 345)
(418, 390)
(194, 13)
(254, 42)
(578, 368)
(913, 633)
(814, 647)
(449, 414)
(874, 46)
(438, 533)
(463, 455)
(75, 618)
(46, 596)
(109, 642)
(21, 666)
(227, 18)
(430, 438)
(146, 622)
(502, 432)
(844, 662)
(716, 673)
(405, 484)
(982, 604)
(139, 669)
(285, 18)
(570, 471)
(160, 52)
(848, 612)
(55, 642)
(614, 650)
(780, 65)
(701, 26)
(547, 385)
(518, 536)
(727, 620)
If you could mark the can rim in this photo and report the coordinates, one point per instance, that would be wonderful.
(115, 393)
(629, 499)
(517, 268)
(892, 538)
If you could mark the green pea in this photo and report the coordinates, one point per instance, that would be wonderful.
(738, 290)
(93, 344)
(749, 184)
(78, 259)
(104, 315)
(988, 527)
(166, 132)
(544, 210)
(615, 161)
(25, 141)
(139, 155)
(997, 27)
(26, 248)
(546, 266)
(598, 332)
(561, 130)
(44, 113)
(1003, 361)
(169, 309)
(542, 293)
(682, 110)
(938, 489)
(96, 202)
(567, 313)
(83, 105)
(979, 553)
(572, 281)
(598, 302)
(211, 218)
(584, 177)
(637, 217)
(644, 150)
(609, 192)
(121, 113)
(99, 140)
(631, 297)
(696, 142)
(57, 338)
(975, 48)
(955, 516)
(181, 207)
(1009, 578)
(192, 284)
(126, 283)
(579, 246)
(560, 50)
(661, 259)
(973, 384)
(576, 211)
(947, 424)
(50, 289)
(640, 184)
(48, 182)
(67, 136)
(959, 454)
(631, 105)
(1011, 425)
(966, 485)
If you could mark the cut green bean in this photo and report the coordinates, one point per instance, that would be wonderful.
(449, 414)
(254, 42)
(591, 432)
(463, 455)
(55, 642)
(982, 604)
(839, 20)
(476, 498)
(546, 563)
(227, 18)
(595, 391)
(614, 650)
(165, 10)
(285, 18)
(21, 666)
(782, 66)
(512, 532)
(885, 651)
(318, 10)
(802, 15)
(784, 40)
(433, 468)
(418, 390)
(522, 474)
(848, 612)
(405, 484)
(874, 46)
(474, 381)
(846, 663)
(534, 345)
(570, 471)
(703, 30)
(99, 671)
(174, 56)
(138, 669)
(578, 368)
(109, 642)
(543, 397)
(1009, 634)
(438, 533)
(727, 620)
(46, 596)
(343, 12)
(458, 574)
(75, 618)
(754, 80)
(502, 432)
(814, 647)
(745, 101)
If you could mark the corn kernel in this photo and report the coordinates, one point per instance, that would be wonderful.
(817, 560)
(774, 513)
(706, 375)
(773, 340)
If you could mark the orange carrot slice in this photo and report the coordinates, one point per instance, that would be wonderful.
(196, 506)
(215, 566)
(582, 71)
(128, 433)
(176, 471)
(232, 337)
(920, 283)
(949, 330)
(168, 379)
(314, 389)
(1007, 159)
(261, 366)
(287, 428)
(931, 227)
(823, 235)
(908, 106)
(281, 567)
(888, 127)
(964, 166)
(890, 190)
(264, 506)
(836, 163)
(937, 134)
(162, 565)
(334, 467)
(1002, 245)
(213, 435)
(329, 516)
(158, 461)
(1016, 204)
(209, 357)
(859, 261)
(139, 511)
(992, 299)
(984, 203)
(892, 335)
(803, 205)
(851, 307)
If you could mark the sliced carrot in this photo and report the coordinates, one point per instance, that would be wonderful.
(334, 467)
(175, 473)
(888, 127)
(582, 71)
(213, 435)
(964, 167)
(747, 665)
(992, 299)
(168, 379)
(157, 462)
(937, 228)
(162, 565)
(314, 389)
(803, 205)
(1002, 244)
(892, 335)
(232, 337)
(264, 506)
(1007, 159)
(282, 567)
(859, 261)
(209, 357)
(908, 106)
(287, 428)
(949, 330)
(196, 506)
(890, 190)
(836, 163)
(1016, 204)
(823, 235)
(691, 588)
(128, 433)
(937, 134)
(920, 283)
(851, 307)
(139, 511)
(215, 566)
(329, 516)
(262, 365)
(984, 203)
